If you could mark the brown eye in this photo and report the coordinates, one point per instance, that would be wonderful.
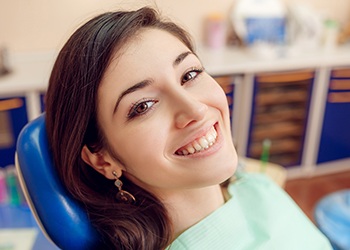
(141, 108)
(190, 75)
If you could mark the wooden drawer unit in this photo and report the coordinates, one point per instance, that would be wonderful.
(279, 113)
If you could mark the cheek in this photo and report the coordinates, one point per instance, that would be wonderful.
(218, 97)
(143, 155)
(141, 146)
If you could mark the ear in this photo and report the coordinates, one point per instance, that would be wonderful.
(102, 162)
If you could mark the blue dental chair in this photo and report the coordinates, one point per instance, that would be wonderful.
(332, 216)
(59, 216)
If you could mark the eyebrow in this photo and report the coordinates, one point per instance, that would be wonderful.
(132, 89)
(146, 83)
(181, 57)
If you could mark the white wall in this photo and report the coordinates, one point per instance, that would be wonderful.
(37, 25)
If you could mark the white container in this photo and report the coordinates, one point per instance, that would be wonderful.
(260, 21)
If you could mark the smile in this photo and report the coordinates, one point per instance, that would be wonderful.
(200, 144)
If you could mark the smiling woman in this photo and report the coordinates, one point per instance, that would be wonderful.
(140, 135)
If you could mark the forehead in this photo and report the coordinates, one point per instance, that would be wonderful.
(151, 43)
(145, 49)
(145, 54)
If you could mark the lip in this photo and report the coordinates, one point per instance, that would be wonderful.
(217, 145)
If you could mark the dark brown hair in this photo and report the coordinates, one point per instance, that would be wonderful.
(71, 105)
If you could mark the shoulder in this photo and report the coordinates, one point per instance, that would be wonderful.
(255, 190)
(252, 180)
(271, 211)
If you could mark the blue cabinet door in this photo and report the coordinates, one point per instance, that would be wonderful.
(335, 135)
(13, 117)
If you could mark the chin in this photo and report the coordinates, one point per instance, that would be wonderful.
(231, 169)
(233, 158)
(227, 168)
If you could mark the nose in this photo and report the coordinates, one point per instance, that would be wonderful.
(188, 110)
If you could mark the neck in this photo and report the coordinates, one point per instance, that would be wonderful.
(191, 206)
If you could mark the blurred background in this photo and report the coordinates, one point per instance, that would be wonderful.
(44, 25)
(284, 65)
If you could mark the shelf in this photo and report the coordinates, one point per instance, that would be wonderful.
(279, 97)
(279, 114)
(276, 130)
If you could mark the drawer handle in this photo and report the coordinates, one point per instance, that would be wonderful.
(340, 85)
(10, 104)
(339, 97)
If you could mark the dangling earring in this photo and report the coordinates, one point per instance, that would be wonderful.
(122, 195)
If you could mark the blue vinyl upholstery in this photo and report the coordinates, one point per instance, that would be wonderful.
(60, 217)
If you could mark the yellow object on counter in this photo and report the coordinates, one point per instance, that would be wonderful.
(275, 171)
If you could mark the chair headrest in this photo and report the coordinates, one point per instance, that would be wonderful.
(63, 218)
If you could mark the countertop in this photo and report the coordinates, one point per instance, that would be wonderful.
(31, 71)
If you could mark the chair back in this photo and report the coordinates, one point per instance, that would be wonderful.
(332, 216)
(61, 218)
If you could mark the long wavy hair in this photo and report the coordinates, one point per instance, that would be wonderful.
(71, 106)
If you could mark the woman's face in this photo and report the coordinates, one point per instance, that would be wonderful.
(164, 117)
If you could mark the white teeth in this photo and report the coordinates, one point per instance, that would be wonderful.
(200, 144)
(210, 138)
(203, 142)
(196, 145)
(191, 150)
